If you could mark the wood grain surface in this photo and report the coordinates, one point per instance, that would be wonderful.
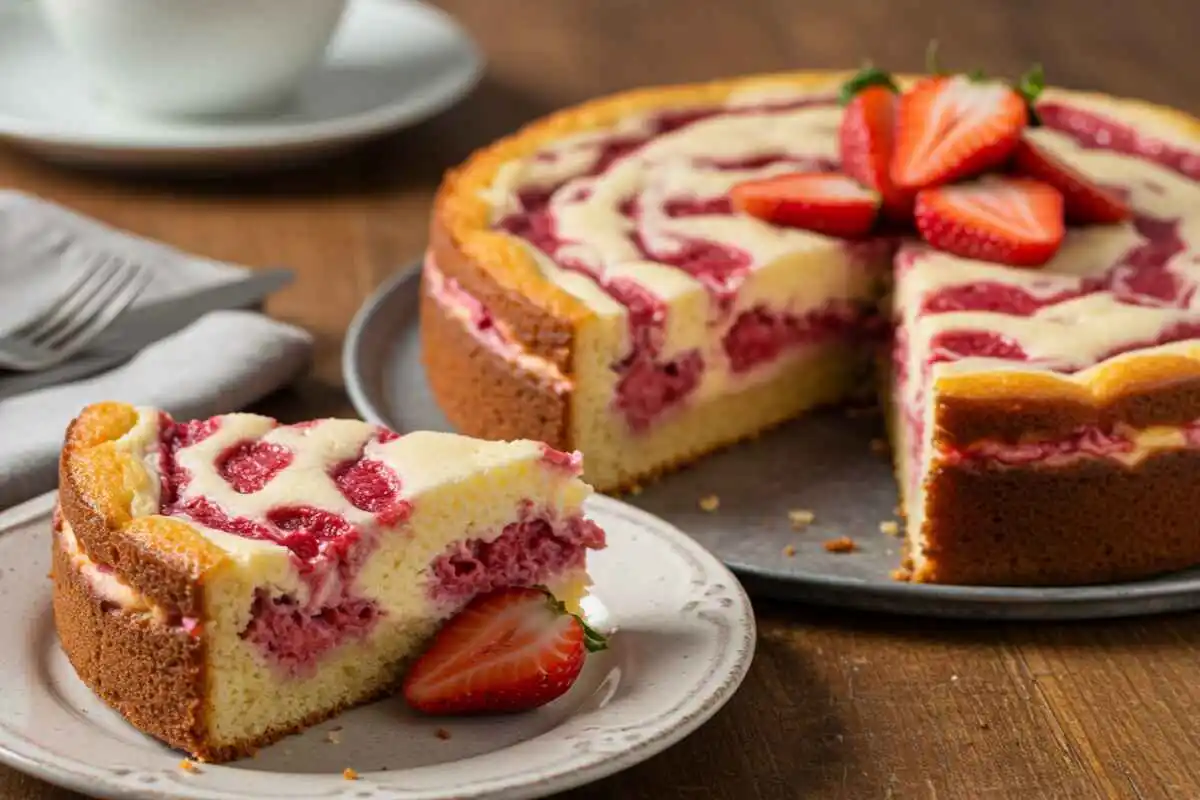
(836, 705)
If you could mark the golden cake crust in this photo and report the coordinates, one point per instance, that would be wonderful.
(1097, 521)
(120, 655)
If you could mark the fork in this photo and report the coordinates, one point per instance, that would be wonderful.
(108, 286)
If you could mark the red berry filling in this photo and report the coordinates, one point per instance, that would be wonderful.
(296, 639)
(760, 335)
(1102, 133)
(249, 466)
(527, 553)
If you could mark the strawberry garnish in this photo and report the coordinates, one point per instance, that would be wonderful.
(866, 138)
(824, 202)
(960, 126)
(1013, 221)
(1084, 203)
(510, 650)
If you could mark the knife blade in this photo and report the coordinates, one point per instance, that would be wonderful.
(142, 326)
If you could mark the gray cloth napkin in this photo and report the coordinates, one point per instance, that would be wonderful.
(222, 362)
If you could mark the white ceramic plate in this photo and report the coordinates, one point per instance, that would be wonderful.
(683, 642)
(393, 63)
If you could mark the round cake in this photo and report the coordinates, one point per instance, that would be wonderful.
(594, 282)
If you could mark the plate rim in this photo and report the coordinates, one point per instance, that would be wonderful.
(716, 686)
(1175, 592)
(267, 136)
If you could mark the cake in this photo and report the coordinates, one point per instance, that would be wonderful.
(592, 282)
(223, 583)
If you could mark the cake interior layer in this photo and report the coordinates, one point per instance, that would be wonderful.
(345, 546)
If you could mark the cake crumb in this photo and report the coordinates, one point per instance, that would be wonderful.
(710, 503)
(442, 734)
(890, 527)
(901, 574)
(801, 518)
(636, 489)
(187, 765)
(349, 774)
(879, 447)
(334, 737)
(789, 550)
(842, 544)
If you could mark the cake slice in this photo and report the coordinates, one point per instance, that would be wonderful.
(224, 583)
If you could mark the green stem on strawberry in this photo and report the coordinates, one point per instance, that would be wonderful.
(1030, 86)
(865, 78)
(593, 640)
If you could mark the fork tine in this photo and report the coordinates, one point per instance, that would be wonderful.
(46, 316)
(114, 297)
(70, 304)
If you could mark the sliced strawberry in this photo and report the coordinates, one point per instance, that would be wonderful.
(1084, 203)
(1013, 221)
(509, 650)
(825, 202)
(954, 127)
(866, 138)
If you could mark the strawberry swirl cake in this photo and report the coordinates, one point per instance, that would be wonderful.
(654, 275)
(223, 583)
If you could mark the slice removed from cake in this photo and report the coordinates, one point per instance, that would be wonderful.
(223, 583)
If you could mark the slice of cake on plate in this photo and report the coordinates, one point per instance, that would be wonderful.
(226, 582)
(650, 276)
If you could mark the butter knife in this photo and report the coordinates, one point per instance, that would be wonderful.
(146, 324)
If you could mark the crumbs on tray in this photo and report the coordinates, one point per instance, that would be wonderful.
(800, 518)
(890, 527)
(187, 765)
(789, 550)
(710, 503)
(349, 774)
(842, 544)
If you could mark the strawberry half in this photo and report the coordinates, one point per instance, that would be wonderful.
(866, 138)
(1084, 203)
(954, 127)
(1012, 221)
(510, 650)
(825, 202)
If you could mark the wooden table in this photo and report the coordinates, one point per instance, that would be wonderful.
(836, 705)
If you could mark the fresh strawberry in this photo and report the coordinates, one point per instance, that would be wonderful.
(1084, 203)
(1013, 221)
(509, 650)
(954, 127)
(826, 202)
(866, 138)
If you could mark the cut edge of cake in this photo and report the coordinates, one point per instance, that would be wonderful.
(155, 616)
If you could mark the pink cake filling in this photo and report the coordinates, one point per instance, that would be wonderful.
(329, 552)
(1088, 442)
(532, 550)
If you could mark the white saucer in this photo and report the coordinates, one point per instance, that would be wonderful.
(684, 638)
(393, 63)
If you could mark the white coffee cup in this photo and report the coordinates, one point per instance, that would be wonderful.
(195, 57)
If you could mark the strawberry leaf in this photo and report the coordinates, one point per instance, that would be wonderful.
(593, 640)
(1030, 86)
(866, 77)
